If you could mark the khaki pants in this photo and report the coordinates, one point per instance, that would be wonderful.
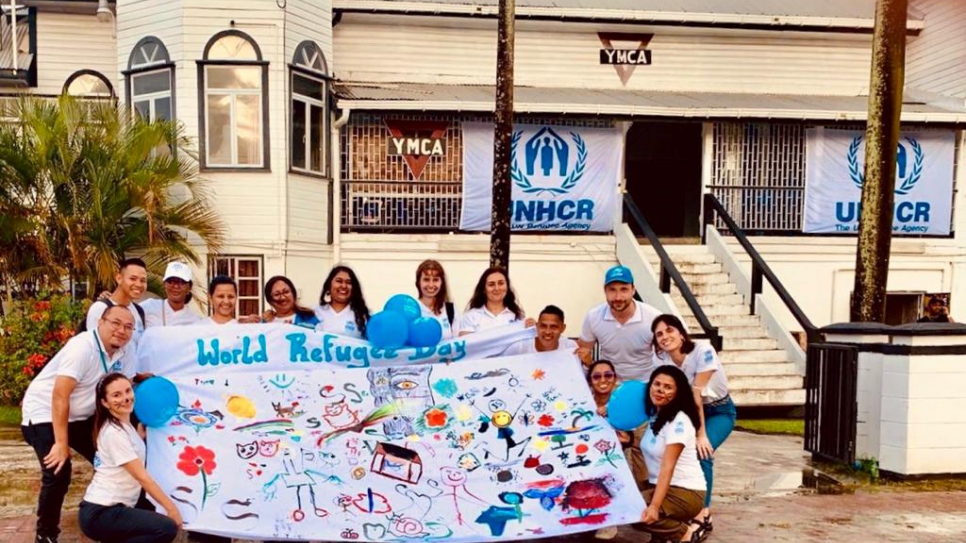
(679, 507)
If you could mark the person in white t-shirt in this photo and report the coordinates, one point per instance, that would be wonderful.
(434, 297)
(668, 445)
(222, 300)
(709, 384)
(132, 281)
(550, 329)
(493, 304)
(173, 310)
(621, 327)
(58, 408)
(107, 512)
(342, 308)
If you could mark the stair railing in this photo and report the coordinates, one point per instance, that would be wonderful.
(669, 272)
(759, 268)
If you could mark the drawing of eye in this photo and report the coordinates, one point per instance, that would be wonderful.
(406, 385)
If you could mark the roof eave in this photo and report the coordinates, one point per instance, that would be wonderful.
(727, 20)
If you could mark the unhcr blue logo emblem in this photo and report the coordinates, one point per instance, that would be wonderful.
(547, 162)
(906, 177)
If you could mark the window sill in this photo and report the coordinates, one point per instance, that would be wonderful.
(309, 173)
(234, 169)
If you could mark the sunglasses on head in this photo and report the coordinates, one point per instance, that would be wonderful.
(599, 376)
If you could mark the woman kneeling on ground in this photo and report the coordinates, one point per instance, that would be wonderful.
(677, 483)
(107, 513)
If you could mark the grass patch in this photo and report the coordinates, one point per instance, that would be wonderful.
(788, 427)
(9, 415)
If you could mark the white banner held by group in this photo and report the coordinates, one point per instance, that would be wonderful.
(834, 171)
(565, 178)
(479, 450)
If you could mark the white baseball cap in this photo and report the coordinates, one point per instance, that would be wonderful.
(179, 270)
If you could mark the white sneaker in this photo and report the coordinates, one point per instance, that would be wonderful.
(606, 533)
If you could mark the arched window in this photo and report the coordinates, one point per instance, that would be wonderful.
(310, 111)
(88, 84)
(150, 80)
(234, 104)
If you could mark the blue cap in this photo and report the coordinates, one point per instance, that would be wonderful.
(620, 274)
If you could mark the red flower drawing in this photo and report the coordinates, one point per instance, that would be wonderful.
(545, 420)
(436, 418)
(195, 459)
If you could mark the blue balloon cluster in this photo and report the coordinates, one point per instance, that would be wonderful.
(156, 401)
(400, 324)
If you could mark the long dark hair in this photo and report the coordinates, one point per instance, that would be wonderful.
(303, 312)
(357, 302)
(683, 399)
(479, 293)
(687, 344)
(443, 296)
(607, 363)
(103, 415)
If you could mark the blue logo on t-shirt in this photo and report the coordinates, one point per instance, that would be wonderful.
(97, 461)
(679, 428)
(117, 367)
(708, 357)
(350, 327)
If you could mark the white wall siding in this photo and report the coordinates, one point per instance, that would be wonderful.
(308, 205)
(936, 60)
(139, 19)
(67, 43)
(308, 20)
(711, 61)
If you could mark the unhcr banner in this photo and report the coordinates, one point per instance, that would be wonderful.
(271, 444)
(564, 178)
(834, 171)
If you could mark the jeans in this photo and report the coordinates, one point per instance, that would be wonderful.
(122, 524)
(719, 421)
(53, 487)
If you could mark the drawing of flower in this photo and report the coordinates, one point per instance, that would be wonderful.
(545, 420)
(436, 418)
(606, 449)
(195, 460)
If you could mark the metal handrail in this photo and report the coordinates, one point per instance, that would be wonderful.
(669, 272)
(759, 268)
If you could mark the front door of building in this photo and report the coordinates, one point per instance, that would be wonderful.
(663, 172)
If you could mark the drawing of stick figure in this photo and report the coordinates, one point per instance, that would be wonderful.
(297, 478)
(501, 419)
(454, 479)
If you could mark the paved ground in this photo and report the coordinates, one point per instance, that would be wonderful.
(759, 498)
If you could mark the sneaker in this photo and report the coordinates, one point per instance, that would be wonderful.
(606, 533)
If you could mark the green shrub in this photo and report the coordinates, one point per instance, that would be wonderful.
(31, 334)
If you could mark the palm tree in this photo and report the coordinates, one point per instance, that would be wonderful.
(87, 184)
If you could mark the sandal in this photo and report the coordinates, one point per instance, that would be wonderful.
(700, 532)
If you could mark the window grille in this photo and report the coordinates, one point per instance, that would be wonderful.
(247, 273)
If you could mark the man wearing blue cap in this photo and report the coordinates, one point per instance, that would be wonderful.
(621, 327)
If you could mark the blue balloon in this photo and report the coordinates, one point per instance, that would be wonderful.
(387, 330)
(625, 410)
(405, 305)
(425, 332)
(156, 401)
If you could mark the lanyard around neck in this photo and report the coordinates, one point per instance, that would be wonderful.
(100, 351)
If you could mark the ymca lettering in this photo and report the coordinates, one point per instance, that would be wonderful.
(416, 146)
(625, 56)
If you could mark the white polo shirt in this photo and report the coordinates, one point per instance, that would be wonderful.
(208, 321)
(112, 483)
(450, 329)
(702, 359)
(529, 346)
(687, 471)
(98, 308)
(479, 318)
(627, 346)
(342, 323)
(83, 359)
(158, 312)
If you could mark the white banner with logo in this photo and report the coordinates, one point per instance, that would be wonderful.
(273, 440)
(564, 178)
(834, 171)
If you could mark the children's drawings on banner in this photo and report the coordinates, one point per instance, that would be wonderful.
(485, 449)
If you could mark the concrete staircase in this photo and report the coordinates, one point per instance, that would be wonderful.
(759, 373)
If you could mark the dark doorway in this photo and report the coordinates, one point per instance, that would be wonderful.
(663, 172)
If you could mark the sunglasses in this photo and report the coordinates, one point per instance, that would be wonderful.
(599, 376)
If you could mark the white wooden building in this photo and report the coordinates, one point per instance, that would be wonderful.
(293, 104)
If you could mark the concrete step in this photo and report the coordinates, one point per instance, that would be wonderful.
(767, 368)
(713, 310)
(690, 267)
(742, 344)
(723, 321)
(763, 356)
(714, 288)
(695, 254)
(705, 278)
(708, 299)
(742, 332)
(765, 382)
(760, 397)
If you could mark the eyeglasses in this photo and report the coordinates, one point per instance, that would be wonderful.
(281, 294)
(129, 328)
(599, 376)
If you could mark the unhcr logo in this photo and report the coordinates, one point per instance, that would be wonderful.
(547, 163)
